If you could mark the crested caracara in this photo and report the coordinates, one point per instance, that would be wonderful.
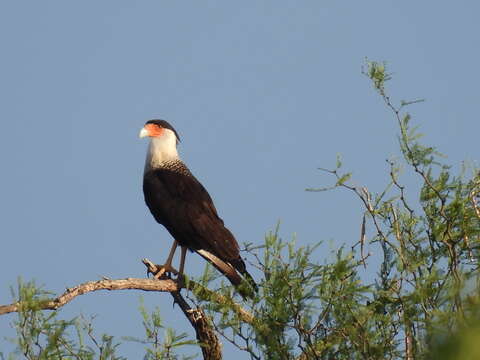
(179, 202)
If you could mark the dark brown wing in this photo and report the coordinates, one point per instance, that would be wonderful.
(178, 201)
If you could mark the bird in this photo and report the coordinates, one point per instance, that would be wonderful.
(179, 202)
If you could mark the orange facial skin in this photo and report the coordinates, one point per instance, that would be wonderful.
(154, 130)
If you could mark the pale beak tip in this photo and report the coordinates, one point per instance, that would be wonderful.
(143, 133)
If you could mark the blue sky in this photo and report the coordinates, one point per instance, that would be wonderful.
(262, 93)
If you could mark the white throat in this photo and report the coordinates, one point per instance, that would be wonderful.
(162, 149)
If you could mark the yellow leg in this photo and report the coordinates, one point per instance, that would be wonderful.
(182, 260)
(172, 252)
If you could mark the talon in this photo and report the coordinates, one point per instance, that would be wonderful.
(163, 270)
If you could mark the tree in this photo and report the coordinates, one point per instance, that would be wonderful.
(424, 302)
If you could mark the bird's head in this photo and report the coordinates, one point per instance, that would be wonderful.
(163, 143)
(159, 129)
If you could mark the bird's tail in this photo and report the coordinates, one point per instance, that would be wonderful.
(232, 275)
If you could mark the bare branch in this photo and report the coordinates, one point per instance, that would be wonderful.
(90, 286)
(206, 336)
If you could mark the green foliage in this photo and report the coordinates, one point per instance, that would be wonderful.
(463, 343)
(427, 286)
(42, 335)
(156, 348)
(424, 302)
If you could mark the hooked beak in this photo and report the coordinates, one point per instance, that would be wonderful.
(143, 133)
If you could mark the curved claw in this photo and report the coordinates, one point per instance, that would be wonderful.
(164, 269)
